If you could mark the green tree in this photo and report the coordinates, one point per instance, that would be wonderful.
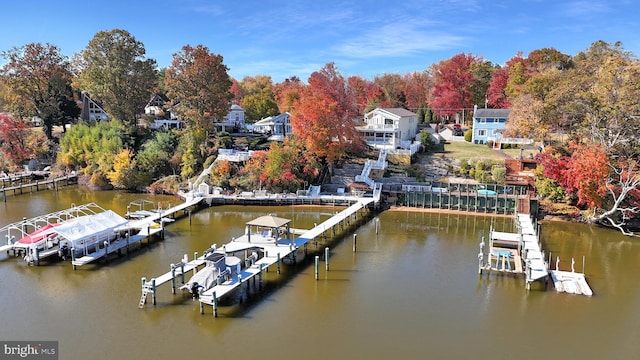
(421, 115)
(154, 160)
(259, 105)
(113, 70)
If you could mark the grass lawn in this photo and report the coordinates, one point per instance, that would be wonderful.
(464, 150)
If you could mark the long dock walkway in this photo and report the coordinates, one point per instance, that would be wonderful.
(274, 251)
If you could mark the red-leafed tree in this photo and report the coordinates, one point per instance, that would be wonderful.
(323, 116)
(453, 80)
(236, 92)
(392, 87)
(417, 88)
(496, 95)
(19, 142)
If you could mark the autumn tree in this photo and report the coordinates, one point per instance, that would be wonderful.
(598, 94)
(113, 70)
(393, 89)
(453, 81)
(198, 85)
(18, 143)
(417, 87)
(323, 116)
(287, 92)
(37, 80)
(123, 175)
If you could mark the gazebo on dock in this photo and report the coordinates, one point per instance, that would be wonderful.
(269, 226)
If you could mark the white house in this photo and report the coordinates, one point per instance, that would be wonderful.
(234, 119)
(389, 128)
(156, 106)
(278, 126)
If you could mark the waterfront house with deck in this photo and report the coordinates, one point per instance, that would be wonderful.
(389, 128)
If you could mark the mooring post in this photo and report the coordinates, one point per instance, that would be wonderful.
(173, 278)
(377, 225)
(195, 257)
(557, 262)
(260, 273)
(36, 256)
(279, 263)
(583, 264)
(355, 241)
(201, 307)
(73, 257)
(317, 265)
(189, 216)
(182, 271)
(326, 258)
(215, 304)
(153, 289)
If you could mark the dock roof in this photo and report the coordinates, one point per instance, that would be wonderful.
(269, 221)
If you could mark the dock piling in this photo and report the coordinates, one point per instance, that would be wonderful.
(153, 290)
(215, 304)
(326, 258)
(279, 261)
(355, 241)
(317, 265)
(173, 278)
(73, 257)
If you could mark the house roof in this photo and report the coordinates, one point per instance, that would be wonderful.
(491, 113)
(400, 112)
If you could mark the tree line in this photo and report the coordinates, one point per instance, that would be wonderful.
(589, 99)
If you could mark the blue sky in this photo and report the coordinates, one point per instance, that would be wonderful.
(363, 37)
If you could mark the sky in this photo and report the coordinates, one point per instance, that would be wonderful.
(295, 38)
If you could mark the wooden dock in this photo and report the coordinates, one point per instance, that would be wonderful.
(37, 185)
(274, 253)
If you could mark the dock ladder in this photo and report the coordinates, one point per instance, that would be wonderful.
(143, 298)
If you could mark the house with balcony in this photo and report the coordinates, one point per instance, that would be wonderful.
(389, 128)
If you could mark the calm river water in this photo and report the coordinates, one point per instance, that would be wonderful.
(410, 292)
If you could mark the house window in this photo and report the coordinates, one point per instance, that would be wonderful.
(482, 132)
(489, 120)
(502, 120)
(483, 120)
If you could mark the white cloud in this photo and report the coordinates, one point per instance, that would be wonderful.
(397, 39)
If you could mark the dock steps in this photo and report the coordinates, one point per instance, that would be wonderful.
(143, 299)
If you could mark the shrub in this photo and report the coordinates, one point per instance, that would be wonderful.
(468, 135)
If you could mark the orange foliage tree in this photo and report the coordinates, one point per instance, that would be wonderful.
(323, 116)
